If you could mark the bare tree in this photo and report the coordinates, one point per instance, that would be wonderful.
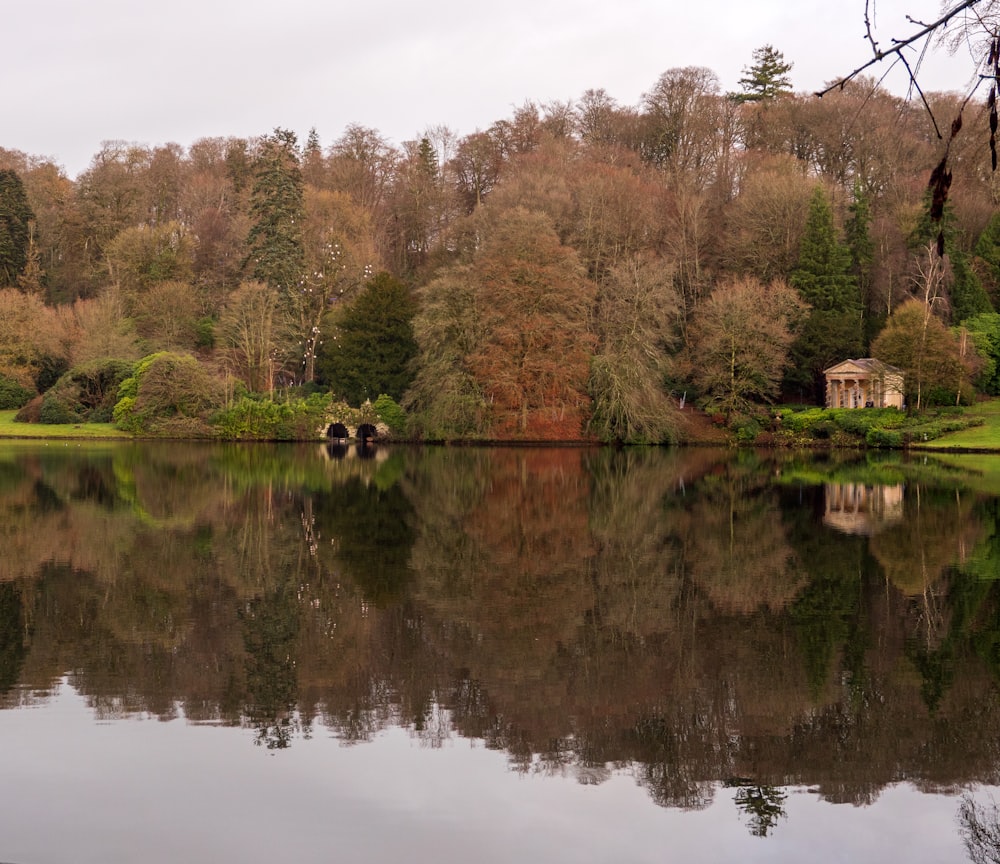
(979, 827)
(970, 24)
(740, 337)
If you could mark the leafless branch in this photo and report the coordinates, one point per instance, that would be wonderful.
(878, 55)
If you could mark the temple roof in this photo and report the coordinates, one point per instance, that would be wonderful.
(868, 365)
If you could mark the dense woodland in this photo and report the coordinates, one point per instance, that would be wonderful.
(577, 269)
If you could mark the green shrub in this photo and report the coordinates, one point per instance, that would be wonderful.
(942, 426)
(166, 389)
(881, 437)
(252, 418)
(390, 413)
(801, 421)
(823, 429)
(205, 333)
(12, 394)
(746, 429)
(854, 421)
(57, 411)
(86, 393)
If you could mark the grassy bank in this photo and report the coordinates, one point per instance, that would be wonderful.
(10, 429)
(885, 428)
(976, 429)
(985, 437)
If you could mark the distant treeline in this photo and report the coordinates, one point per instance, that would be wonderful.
(575, 270)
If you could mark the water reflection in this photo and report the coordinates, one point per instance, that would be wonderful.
(697, 620)
(857, 508)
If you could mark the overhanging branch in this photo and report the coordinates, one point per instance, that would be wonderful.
(898, 45)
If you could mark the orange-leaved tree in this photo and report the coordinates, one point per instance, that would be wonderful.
(534, 301)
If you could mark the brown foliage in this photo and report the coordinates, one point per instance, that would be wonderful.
(534, 300)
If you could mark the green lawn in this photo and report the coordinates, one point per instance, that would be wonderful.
(10, 429)
(985, 437)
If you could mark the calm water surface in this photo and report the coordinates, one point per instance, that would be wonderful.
(251, 653)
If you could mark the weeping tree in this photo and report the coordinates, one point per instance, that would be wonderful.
(635, 322)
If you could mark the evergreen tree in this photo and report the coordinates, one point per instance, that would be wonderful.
(967, 296)
(312, 160)
(16, 218)
(766, 78)
(862, 251)
(276, 251)
(823, 277)
(368, 346)
(823, 272)
(984, 330)
(987, 250)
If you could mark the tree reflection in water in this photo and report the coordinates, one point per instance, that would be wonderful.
(979, 826)
(684, 617)
(762, 804)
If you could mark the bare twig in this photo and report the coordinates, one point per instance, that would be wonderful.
(878, 55)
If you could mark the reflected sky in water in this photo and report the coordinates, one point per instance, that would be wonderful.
(142, 789)
(494, 654)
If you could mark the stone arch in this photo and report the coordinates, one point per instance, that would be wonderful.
(337, 432)
(366, 432)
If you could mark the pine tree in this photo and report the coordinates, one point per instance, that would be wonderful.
(967, 295)
(16, 218)
(862, 251)
(766, 78)
(832, 332)
(312, 160)
(823, 273)
(276, 250)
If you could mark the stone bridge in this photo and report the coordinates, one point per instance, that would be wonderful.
(336, 431)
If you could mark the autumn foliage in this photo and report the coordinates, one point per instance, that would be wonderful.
(565, 271)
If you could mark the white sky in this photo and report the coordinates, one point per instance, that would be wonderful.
(77, 73)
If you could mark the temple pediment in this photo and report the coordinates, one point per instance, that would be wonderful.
(863, 383)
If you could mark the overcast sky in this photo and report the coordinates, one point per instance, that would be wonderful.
(78, 73)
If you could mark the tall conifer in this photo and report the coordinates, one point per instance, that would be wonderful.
(823, 277)
(16, 217)
(276, 254)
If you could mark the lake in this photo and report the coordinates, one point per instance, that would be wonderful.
(310, 653)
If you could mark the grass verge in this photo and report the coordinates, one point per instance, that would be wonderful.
(11, 429)
(985, 437)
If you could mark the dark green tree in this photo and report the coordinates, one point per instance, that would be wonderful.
(313, 167)
(276, 253)
(987, 257)
(968, 297)
(16, 218)
(823, 277)
(966, 294)
(984, 329)
(368, 346)
(766, 78)
(13, 647)
(862, 250)
(823, 272)
(761, 803)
